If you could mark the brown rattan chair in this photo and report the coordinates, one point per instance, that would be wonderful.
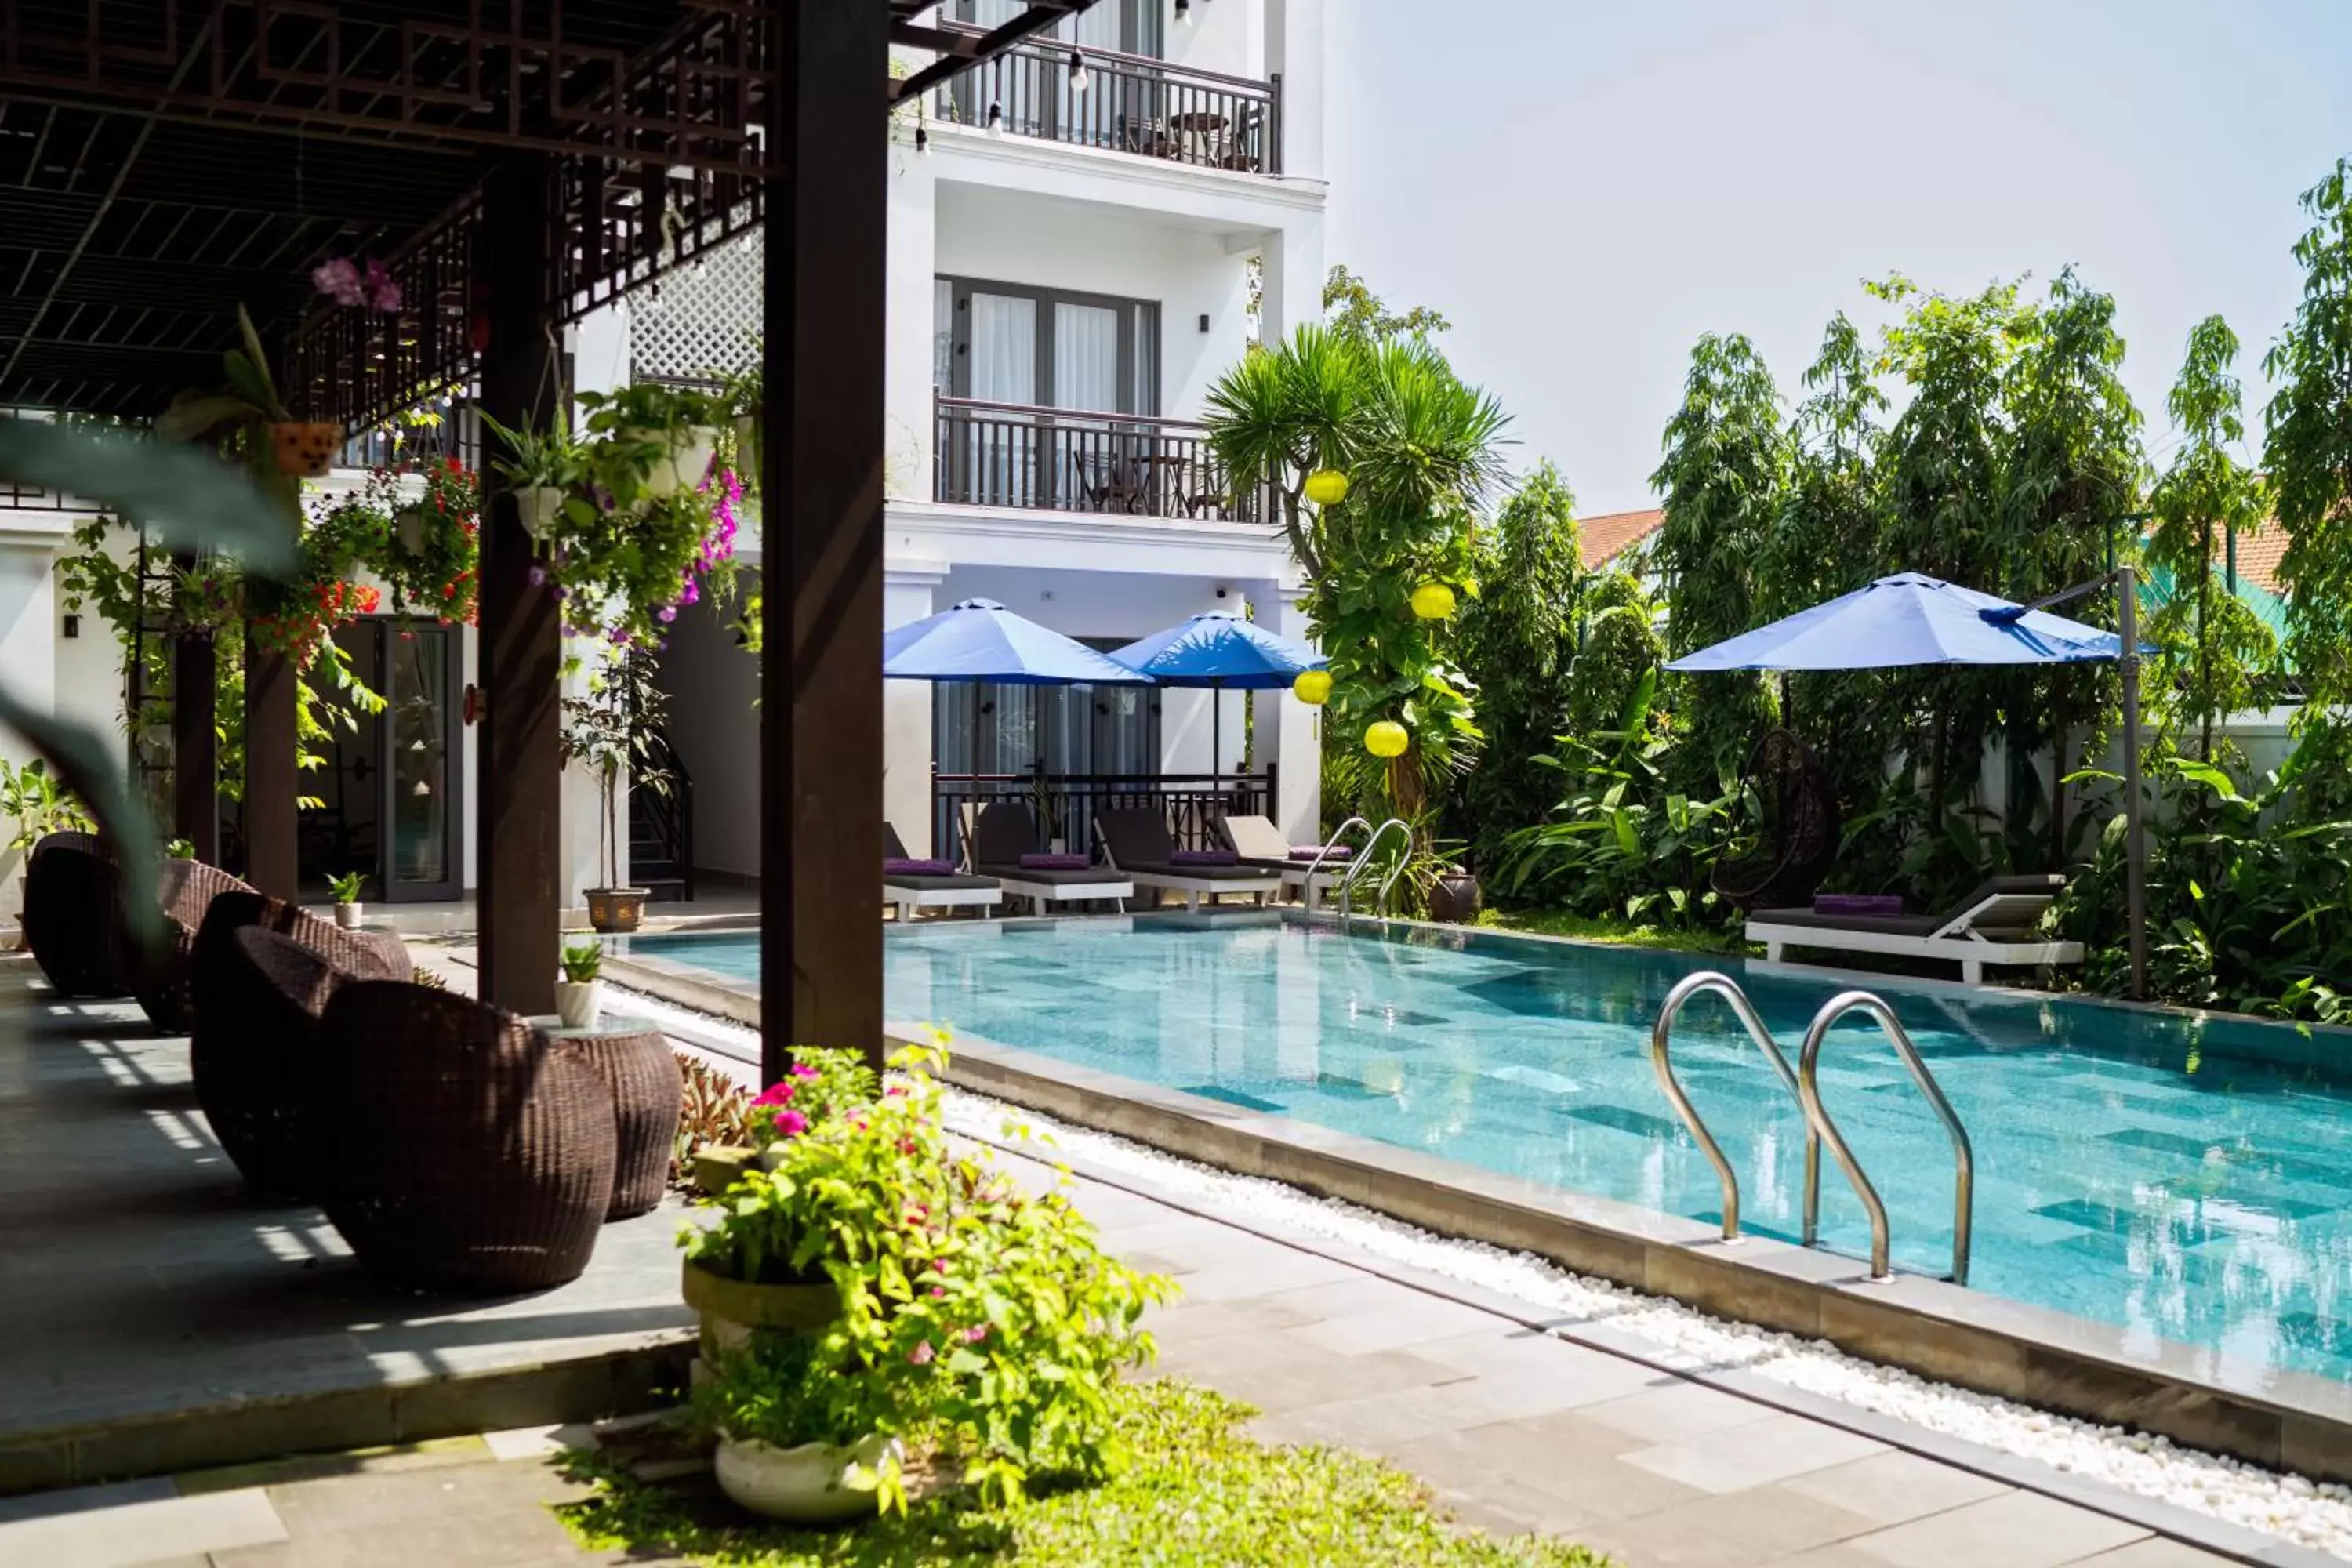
(73, 915)
(642, 1072)
(185, 890)
(455, 1147)
(259, 995)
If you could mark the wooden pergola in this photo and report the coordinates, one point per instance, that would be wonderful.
(519, 164)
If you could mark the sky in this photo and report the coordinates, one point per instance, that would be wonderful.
(1585, 186)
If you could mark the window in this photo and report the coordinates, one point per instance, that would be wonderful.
(1001, 728)
(1007, 342)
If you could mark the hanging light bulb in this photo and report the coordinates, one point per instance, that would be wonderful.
(995, 118)
(1079, 78)
(996, 100)
(922, 139)
(1183, 13)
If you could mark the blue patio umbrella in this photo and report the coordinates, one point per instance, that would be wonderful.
(1911, 619)
(980, 639)
(1218, 649)
(1908, 618)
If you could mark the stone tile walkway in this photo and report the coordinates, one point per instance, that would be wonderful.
(1514, 1429)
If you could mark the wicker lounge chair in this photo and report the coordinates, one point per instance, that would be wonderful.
(186, 889)
(1801, 828)
(73, 915)
(1259, 842)
(1005, 832)
(912, 891)
(1136, 843)
(648, 1091)
(455, 1147)
(1995, 924)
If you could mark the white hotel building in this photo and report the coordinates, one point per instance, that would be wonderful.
(1071, 269)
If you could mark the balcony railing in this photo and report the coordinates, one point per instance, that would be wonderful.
(1063, 804)
(1132, 103)
(1068, 459)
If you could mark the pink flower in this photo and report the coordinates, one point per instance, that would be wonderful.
(921, 1354)
(381, 289)
(938, 1290)
(776, 1094)
(802, 1069)
(974, 1334)
(894, 1091)
(340, 280)
(791, 1123)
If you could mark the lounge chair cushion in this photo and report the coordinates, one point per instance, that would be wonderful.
(2047, 885)
(906, 866)
(1203, 857)
(1313, 852)
(1054, 862)
(1265, 873)
(928, 884)
(1877, 904)
(1079, 875)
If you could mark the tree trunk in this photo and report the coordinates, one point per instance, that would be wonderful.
(1406, 793)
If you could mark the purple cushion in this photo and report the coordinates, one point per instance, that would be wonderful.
(911, 868)
(1203, 857)
(1858, 904)
(1310, 851)
(1055, 862)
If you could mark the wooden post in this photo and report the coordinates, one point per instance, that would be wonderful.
(271, 778)
(518, 803)
(821, 713)
(195, 746)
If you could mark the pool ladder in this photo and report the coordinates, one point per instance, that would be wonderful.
(1361, 860)
(1820, 1127)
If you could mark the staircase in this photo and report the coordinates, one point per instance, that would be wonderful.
(661, 829)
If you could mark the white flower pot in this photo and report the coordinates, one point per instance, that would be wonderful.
(348, 915)
(683, 463)
(538, 506)
(813, 1483)
(579, 1004)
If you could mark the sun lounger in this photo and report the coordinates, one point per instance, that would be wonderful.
(1259, 842)
(1995, 924)
(911, 889)
(1006, 833)
(1136, 844)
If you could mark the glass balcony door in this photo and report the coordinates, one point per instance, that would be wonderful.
(390, 792)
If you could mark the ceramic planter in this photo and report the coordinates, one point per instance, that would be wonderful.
(578, 1003)
(685, 458)
(731, 1309)
(305, 451)
(348, 916)
(616, 910)
(1455, 899)
(538, 506)
(813, 1483)
(747, 449)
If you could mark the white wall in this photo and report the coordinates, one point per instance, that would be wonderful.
(29, 543)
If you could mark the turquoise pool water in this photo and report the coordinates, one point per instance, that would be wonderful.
(2180, 1180)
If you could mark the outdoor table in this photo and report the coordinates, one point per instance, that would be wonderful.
(637, 1063)
(1198, 127)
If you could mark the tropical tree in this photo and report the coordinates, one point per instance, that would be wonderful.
(1364, 319)
(1727, 459)
(2307, 452)
(2215, 648)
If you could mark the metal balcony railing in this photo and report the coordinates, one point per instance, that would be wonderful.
(1069, 459)
(1131, 104)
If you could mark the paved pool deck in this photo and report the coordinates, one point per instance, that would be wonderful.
(127, 1274)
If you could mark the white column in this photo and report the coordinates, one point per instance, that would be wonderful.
(1288, 732)
(1293, 50)
(1292, 283)
(29, 543)
(909, 589)
(912, 269)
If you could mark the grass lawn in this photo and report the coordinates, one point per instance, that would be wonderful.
(1623, 934)
(1195, 1492)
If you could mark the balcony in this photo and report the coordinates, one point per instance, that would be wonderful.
(1131, 104)
(1066, 460)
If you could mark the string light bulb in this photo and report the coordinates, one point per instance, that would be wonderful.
(995, 118)
(923, 140)
(1079, 78)
(1183, 13)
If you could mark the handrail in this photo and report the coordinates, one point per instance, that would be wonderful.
(1333, 843)
(1094, 416)
(1348, 883)
(1709, 980)
(1057, 49)
(1817, 1119)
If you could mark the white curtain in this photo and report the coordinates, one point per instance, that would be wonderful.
(942, 336)
(1004, 370)
(1086, 357)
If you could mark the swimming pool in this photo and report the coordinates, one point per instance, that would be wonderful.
(2181, 1179)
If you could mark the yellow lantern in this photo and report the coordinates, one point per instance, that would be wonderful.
(1433, 601)
(1313, 687)
(1387, 738)
(1327, 487)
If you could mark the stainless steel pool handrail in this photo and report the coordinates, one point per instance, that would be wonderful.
(1363, 861)
(1661, 1057)
(1820, 1129)
(1307, 892)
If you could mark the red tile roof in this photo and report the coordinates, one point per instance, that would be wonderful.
(1604, 538)
(2258, 554)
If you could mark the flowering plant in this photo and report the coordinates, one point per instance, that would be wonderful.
(977, 1317)
(622, 573)
(348, 280)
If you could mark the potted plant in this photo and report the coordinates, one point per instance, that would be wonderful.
(972, 1323)
(543, 469)
(580, 994)
(611, 727)
(345, 891)
(659, 439)
(297, 448)
(746, 401)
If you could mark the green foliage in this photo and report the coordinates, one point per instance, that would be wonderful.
(2215, 650)
(552, 458)
(1197, 1492)
(976, 1318)
(582, 961)
(1614, 932)
(347, 888)
(2307, 452)
(613, 727)
(38, 804)
(1517, 640)
(1360, 317)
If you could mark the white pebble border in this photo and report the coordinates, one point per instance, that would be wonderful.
(2315, 1514)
